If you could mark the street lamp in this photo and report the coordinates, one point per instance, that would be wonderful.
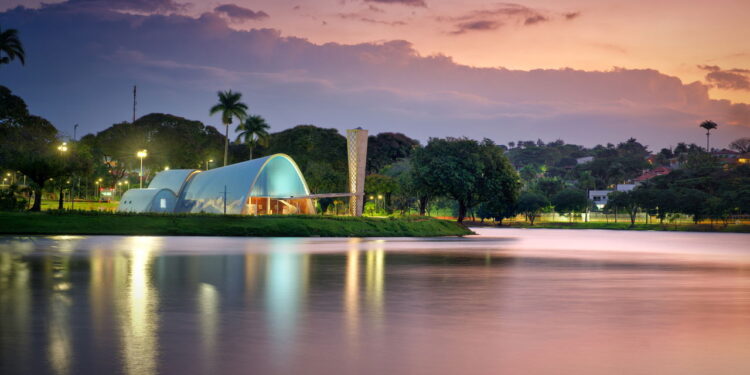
(209, 161)
(166, 168)
(142, 154)
(63, 148)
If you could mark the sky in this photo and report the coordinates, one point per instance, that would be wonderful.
(585, 71)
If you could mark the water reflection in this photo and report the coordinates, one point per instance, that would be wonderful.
(150, 305)
(15, 310)
(375, 279)
(351, 292)
(139, 321)
(59, 350)
(208, 308)
(286, 283)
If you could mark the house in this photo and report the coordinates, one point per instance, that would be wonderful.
(649, 174)
(601, 197)
(730, 157)
(584, 160)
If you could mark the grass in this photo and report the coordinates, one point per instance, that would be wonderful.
(736, 228)
(92, 222)
(81, 205)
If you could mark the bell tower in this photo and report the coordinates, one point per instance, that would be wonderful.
(356, 146)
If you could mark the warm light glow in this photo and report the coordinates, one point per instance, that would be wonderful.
(166, 168)
(142, 154)
(63, 147)
(380, 197)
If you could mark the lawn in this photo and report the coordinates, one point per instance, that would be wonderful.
(92, 222)
(737, 228)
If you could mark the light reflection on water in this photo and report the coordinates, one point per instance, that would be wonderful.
(511, 301)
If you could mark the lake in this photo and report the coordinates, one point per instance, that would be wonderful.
(515, 301)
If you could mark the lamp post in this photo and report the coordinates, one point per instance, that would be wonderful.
(141, 154)
(63, 148)
(209, 161)
(380, 198)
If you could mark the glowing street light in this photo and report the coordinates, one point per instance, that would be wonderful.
(209, 161)
(63, 147)
(142, 154)
(166, 168)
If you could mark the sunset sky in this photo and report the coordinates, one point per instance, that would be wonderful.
(586, 71)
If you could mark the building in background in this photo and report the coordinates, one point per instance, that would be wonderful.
(271, 185)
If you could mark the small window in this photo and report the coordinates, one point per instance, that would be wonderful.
(163, 203)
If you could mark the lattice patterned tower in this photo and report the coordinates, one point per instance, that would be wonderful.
(356, 144)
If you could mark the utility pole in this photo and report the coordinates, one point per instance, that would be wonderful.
(134, 102)
(78, 179)
(225, 199)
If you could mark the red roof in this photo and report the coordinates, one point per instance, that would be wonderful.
(647, 175)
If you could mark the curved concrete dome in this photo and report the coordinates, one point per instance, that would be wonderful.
(276, 176)
(173, 179)
(148, 200)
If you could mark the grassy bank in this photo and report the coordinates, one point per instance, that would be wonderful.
(52, 222)
(735, 228)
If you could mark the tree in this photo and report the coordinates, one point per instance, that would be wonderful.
(378, 184)
(531, 203)
(625, 200)
(657, 202)
(230, 107)
(708, 125)
(693, 202)
(253, 132)
(741, 145)
(569, 201)
(11, 47)
(467, 171)
(387, 148)
(171, 141)
(497, 210)
(320, 154)
(549, 186)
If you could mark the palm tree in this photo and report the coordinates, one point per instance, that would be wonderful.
(708, 125)
(253, 132)
(11, 46)
(230, 107)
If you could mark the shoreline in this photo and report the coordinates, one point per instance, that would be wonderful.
(700, 228)
(97, 223)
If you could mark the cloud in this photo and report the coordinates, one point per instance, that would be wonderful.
(361, 18)
(572, 15)
(151, 6)
(481, 25)
(238, 13)
(535, 19)
(732, 79)
(492, 19)
(81, 68)
(412, 3)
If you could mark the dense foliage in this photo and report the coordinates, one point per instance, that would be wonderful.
(448, 176)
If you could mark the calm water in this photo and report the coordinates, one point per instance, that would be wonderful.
(507, 301)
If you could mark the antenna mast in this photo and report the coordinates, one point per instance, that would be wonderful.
(134, 101)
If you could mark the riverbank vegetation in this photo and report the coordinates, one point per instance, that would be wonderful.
(103, 223)
(733, 228)
(446, 177)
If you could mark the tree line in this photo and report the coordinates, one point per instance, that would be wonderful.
(459, 177)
